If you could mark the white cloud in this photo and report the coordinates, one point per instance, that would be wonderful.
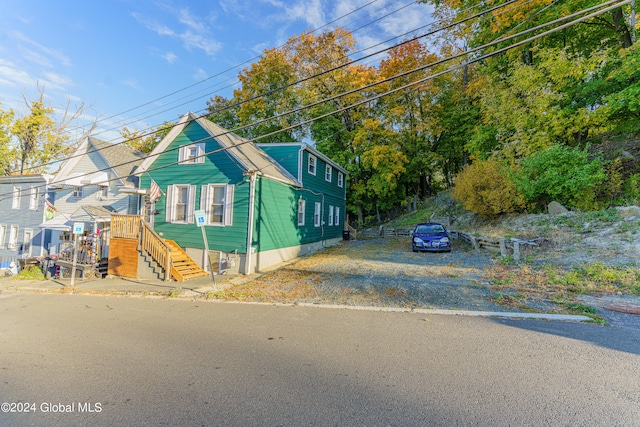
(310, 12)
(58, 80)
(12, 76)
(54, 55)
(132, 83)
(196, 33)
(170, 57)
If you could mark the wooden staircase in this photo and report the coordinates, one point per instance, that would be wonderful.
(183, 267)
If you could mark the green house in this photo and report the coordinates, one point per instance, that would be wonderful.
(262, 203)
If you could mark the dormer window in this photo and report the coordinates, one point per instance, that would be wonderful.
(191, 154)
(312, 164)
(102, 193)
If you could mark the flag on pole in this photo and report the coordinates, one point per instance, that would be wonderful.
(154, 192)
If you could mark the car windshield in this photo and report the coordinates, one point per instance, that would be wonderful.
(429, 229)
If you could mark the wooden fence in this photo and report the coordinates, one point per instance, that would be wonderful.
(502, 245)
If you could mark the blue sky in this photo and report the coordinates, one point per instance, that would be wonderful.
(118, 55)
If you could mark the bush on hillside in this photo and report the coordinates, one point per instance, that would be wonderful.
(560, 173)
(485, 187)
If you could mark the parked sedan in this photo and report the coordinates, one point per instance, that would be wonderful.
(431, 237)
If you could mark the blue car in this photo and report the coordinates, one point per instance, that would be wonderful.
(431, 237)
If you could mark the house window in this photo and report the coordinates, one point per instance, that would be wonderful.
(180, 203)
(191, 154)
(330, 215)
(3, 234)
(28, 236)
(301, 206)
(33, 198)
(13, 237)
(328, 170)
(102, 193)
(17, 194)
(340, 179)
(336, 221)
(312, 164)
(317, 214)
(217, 202)
(77, 192)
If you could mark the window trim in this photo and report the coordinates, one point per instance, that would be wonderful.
(206, 194)
(34, 195)
(3, 235)
(328, 173)
(185, 159)
(27, 244)
(340, 179)
(17, 196)
(337, 216)
(172, 194)
(330, 215)
(301, 211)
(317, 215)
(14, 231)
(77, 192)
(312, 169)
(102, 193)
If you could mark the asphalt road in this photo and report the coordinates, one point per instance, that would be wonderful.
(94, 360)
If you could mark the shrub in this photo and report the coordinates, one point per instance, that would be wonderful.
(560, 173)
(484, 187)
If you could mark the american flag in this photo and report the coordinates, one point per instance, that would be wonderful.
(154, 192)
(50, 206)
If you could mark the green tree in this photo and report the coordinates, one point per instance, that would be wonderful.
(145, 141)
(560, 173)
(40, 138)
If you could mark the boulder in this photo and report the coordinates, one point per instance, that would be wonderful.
(556, 208)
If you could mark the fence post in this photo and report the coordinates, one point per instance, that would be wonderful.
(503, 246)
(516, 250)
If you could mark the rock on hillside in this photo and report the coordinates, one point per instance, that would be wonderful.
(611, 237)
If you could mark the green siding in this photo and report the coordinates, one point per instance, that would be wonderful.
(218, 168)
(286, 155)
(276, 216)
(276, 203)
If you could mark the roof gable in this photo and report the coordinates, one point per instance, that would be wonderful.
(248, 156)
(121, 159)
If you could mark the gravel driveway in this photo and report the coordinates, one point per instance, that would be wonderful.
(380, 272)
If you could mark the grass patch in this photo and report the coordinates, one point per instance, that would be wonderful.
(31, 272)
(287, 284)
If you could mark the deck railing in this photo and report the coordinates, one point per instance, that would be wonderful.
(125, 226)
(134, 227)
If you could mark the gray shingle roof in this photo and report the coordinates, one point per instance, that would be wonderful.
(122, 159)
(252, 157)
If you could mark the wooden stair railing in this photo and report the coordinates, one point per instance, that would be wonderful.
(159, 250)
(183, 267)
(352, 232)
(168, 254)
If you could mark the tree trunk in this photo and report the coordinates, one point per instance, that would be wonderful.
(621, 28)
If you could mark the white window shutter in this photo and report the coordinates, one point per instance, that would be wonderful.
(200, 150)
(204, 195)
(169, 208)
(228, 205)
(191, 204)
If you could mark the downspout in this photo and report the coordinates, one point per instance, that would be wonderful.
(252, 202)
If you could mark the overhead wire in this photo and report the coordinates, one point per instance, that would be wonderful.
(430, 77)
(346, 64)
